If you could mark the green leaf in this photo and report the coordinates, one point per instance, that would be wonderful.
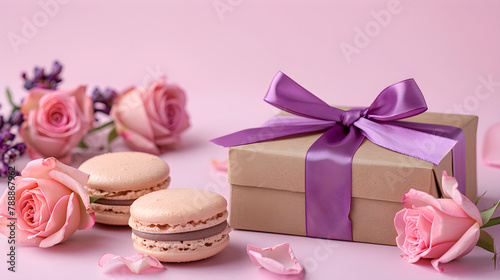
(9, 97)
(82, 144)
(111, 136)
(486, 242)
(94, 198)
(492, 222)
(477, 200)
(100, 127)
(487, 213)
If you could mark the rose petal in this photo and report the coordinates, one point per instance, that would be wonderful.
(447, 228)
(79, 176)
(129, 110)
(400, 224)
(166, 99)
(278, 259)
(25, 133)
(66, 223)
(32, 99)
(132, 122)
(35, 142)
(85, 103)
(68, 176)
(138, 142)
(39, 168)
(491, 149)
(52, 191)
(67, 179)
(152, 97)
(32, 153)
(136, 263)
(450, 188)
(437, 250)
(418, 199)
(4, 199)
(57, 105)
(21, 236)
(461, 248)
(160, 130)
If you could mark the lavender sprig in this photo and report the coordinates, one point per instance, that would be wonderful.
(103, 100)
(9, 150)
(42, 80)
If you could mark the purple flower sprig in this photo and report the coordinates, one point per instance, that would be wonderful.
(9, 150)
(103, 100)
(42, 80)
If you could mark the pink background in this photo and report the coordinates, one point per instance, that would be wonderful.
(225, 61)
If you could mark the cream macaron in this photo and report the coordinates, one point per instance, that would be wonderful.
(180, 225)
(122, 178)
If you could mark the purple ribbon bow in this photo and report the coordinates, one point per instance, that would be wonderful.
(329, 160)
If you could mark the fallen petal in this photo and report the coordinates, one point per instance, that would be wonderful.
(278, 259)
(136, 263)
(219, 165)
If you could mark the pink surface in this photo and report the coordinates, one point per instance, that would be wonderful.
(224, 53)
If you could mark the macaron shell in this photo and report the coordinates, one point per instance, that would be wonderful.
(177, 206)
(115, 219)
(104, 214)
(177, 228)
(125, 171)
(184, 256)
(130, 194)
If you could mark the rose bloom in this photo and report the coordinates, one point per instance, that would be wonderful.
(151, 119)
(438, 229)
(50, 203)
(55, 121)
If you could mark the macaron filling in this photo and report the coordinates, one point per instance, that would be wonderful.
(124, 202)
(182, 236)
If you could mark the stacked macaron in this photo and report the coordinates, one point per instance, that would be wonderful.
(180, 225)
(121, 178)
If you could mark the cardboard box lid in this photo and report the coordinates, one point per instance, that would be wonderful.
(377, 173)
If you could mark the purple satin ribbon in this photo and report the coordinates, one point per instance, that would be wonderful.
(328, 166)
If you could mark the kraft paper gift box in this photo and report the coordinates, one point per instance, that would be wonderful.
(267, 182)
(353, 187)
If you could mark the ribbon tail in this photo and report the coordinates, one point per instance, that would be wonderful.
(276, 127)
(328, 183)
(459, 153)
(417, 144)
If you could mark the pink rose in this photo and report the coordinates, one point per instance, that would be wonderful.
(55, 121)
(50, 203)
(439, 229)
(151, 119)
